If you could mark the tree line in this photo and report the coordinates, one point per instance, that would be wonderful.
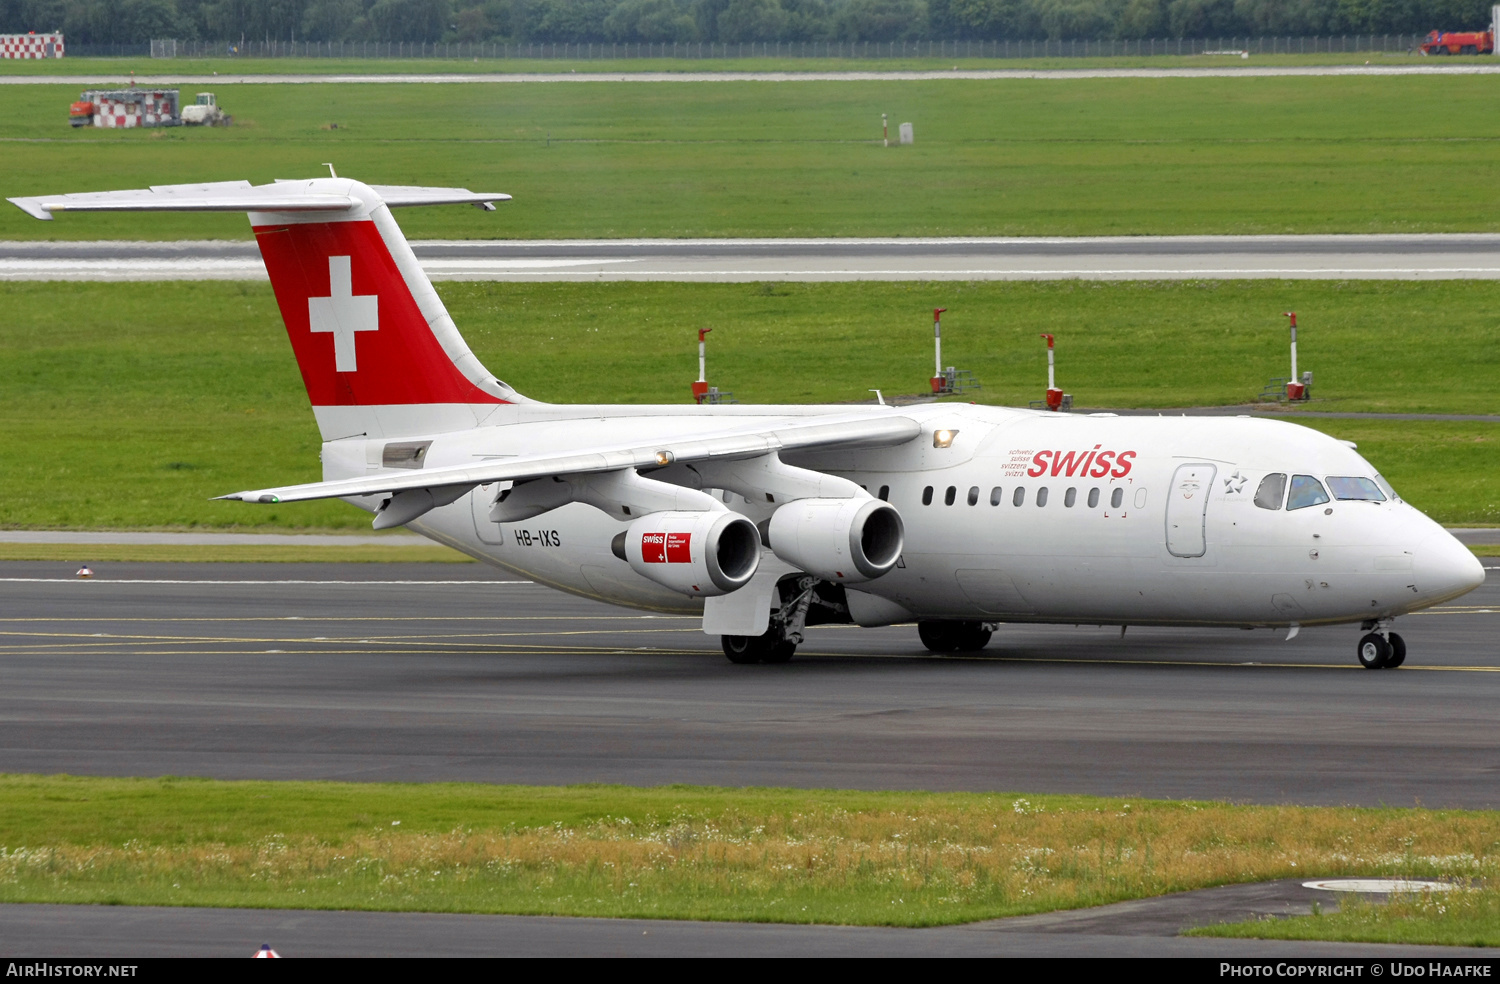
(134, 21)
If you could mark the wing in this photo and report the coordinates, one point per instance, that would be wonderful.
(242, 196)
(824, 433)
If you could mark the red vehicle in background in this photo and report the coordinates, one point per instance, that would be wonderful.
(1459, 43)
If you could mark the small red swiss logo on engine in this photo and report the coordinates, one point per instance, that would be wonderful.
(666, 548)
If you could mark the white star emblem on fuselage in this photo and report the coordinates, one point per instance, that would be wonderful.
(342, 313)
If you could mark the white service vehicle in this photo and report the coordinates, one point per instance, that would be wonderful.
(766, 519)
(205, 111)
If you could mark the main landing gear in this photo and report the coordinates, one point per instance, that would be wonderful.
(1381, 649)
(954, 637)
(800, 598)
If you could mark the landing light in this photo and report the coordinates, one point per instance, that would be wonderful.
(664, 457)
(943, 438)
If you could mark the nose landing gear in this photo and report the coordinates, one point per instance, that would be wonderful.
(1381, 649)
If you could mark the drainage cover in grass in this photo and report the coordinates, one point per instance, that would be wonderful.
(1387, 886)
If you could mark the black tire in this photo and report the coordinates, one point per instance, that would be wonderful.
(973, 637)
(1374, 651)
(953, 637)
(938, 637)
(767, 648)
(1469, 49)
(782, 652)
(1398, 651)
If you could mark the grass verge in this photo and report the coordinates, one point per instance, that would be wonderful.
(1048, 157)
(777, 855)
(202, 395)
(92, 553)
(1465, 917)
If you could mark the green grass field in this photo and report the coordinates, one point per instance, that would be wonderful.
(680, 852)
(130, 405)
(1010, 157)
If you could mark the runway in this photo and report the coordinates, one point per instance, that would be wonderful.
(1384, 257)
(229, 77)
(418, 672)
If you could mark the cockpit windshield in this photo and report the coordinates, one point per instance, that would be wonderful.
(1306, 491)
(1355, 488)
(1272, 489)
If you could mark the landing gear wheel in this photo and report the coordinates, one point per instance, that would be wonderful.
(1375, 652)
(1398, 651)
(951, 637)
(973, 638)
(767, 648)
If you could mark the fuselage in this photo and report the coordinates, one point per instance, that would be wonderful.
(1024, 516)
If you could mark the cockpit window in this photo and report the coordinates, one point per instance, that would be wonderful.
(1306, 491)
(1385, 487)
(1272, 488)
(1355, 488)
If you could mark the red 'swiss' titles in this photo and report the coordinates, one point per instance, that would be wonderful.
(1083, 464)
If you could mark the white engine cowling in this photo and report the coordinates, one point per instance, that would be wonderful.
(703, 554)
(842, 540)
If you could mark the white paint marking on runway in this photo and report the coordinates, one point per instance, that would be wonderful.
(919, 267)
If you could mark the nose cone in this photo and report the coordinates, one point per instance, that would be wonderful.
(1445, 568)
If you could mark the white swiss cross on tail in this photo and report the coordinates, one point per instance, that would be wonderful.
(342, 313)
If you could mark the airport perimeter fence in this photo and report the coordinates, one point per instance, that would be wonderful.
(600, 51)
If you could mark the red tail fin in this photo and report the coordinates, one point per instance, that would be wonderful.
(377, 349)
(359, 335)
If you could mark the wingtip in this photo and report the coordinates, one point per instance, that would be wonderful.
(32, 207)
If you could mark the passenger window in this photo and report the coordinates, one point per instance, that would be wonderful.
(927, 496)
(885, 493)
(1140, 498)
(1268, 496)
(1070, 497)
(1116, 497)
(973, 495)
(1306, 491)
(995, 496)
(1357, 489)
(950, 495)
(1093, 498)
(1041, 496)
(1020, 497)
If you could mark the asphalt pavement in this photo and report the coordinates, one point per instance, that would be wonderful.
(1344, 257)
(424, 672)
(419, 672)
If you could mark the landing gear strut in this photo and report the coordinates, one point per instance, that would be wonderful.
(1381, 649)
(954, 637)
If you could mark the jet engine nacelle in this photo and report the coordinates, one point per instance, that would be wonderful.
(842, 540)
(703, 554)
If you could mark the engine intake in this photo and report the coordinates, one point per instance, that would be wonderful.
(703, 554)
(843, 540)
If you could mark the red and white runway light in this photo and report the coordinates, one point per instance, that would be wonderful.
(1054, 395)
(939, 379)
(1297, 386)
(700, 388)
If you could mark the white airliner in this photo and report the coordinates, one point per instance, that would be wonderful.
(767, 519)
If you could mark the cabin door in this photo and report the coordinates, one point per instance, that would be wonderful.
(1187, 510)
